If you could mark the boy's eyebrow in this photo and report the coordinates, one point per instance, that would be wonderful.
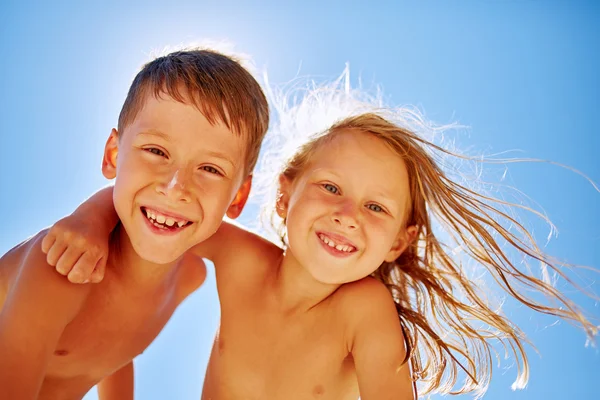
(222, 157)
(216, 154)
(154, 132)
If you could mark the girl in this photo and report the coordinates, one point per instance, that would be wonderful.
(363, 298)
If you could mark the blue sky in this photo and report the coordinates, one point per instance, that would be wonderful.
(522, 74)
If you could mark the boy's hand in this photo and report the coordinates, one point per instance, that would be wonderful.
(77, 248)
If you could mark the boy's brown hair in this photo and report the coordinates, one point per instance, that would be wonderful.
(216, 84)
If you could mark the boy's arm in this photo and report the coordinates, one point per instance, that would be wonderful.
(78, 244)
(38, 306)
(234, 244)
(75, 243)
(377, 345)
(118, 386)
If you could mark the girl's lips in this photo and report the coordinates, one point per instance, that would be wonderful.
(337, 239)
(340, 248)
(335, 251)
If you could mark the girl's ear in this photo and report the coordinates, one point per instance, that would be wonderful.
(109, 160)
(404, 239)
(283, 196)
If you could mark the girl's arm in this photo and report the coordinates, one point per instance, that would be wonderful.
(377, 343)
(77, 245)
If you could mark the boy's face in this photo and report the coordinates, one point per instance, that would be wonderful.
(177, 176)
(345, 212)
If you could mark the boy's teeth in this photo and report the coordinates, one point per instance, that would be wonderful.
(163, 220)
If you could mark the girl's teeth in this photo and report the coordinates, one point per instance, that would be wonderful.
(180, 223)
(170, 221)
(339, 247)
(160, 219)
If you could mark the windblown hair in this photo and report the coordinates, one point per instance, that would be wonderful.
(216, 84)
(448, 323)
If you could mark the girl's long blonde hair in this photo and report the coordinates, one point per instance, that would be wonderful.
(448, 322)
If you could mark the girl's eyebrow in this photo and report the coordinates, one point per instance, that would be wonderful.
(378, 193)
(329, 171)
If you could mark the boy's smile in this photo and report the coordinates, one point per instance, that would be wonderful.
(177, 175)
(164, 223)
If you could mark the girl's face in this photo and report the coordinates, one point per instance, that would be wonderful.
(345, 212)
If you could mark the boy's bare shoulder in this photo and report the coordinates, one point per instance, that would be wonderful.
(25, 266)
(37, 302)
(191, 277)
(10, 262)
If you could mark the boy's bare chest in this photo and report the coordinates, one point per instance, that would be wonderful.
(108, 333)
(258, 357)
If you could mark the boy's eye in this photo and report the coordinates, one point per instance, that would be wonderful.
(211, 170)
(374, 207)
(331, 188)
(156, 151)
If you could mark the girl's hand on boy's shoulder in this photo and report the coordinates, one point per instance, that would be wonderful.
(77, 248)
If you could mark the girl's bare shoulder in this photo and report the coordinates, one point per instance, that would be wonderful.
(366, 298)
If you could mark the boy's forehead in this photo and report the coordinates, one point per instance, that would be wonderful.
(163, 111)
(182, 123)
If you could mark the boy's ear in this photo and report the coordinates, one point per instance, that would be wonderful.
(404, 239)
(239, 201)
(283, 197)
(109, 161)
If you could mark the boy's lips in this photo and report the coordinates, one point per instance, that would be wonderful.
(336, 242)
(165, 219)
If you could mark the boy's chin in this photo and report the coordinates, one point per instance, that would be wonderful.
(156, 256)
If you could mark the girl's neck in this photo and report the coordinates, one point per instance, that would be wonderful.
(127, 266)
(296, 291)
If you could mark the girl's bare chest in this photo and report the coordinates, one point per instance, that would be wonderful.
(263, 357)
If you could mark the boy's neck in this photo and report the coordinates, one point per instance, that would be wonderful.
(129, 267)
(296, 290)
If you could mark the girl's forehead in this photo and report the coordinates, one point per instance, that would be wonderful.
(355, 144)
(362, 156)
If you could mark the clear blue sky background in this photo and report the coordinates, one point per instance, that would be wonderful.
(522, 74)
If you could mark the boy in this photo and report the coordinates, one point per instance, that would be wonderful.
(187, 140)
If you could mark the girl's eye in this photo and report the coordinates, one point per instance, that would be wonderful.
(375, 207)
(156, 151)
(211, 170)
(331, 188)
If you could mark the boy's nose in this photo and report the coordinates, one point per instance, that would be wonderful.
(175, 188)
